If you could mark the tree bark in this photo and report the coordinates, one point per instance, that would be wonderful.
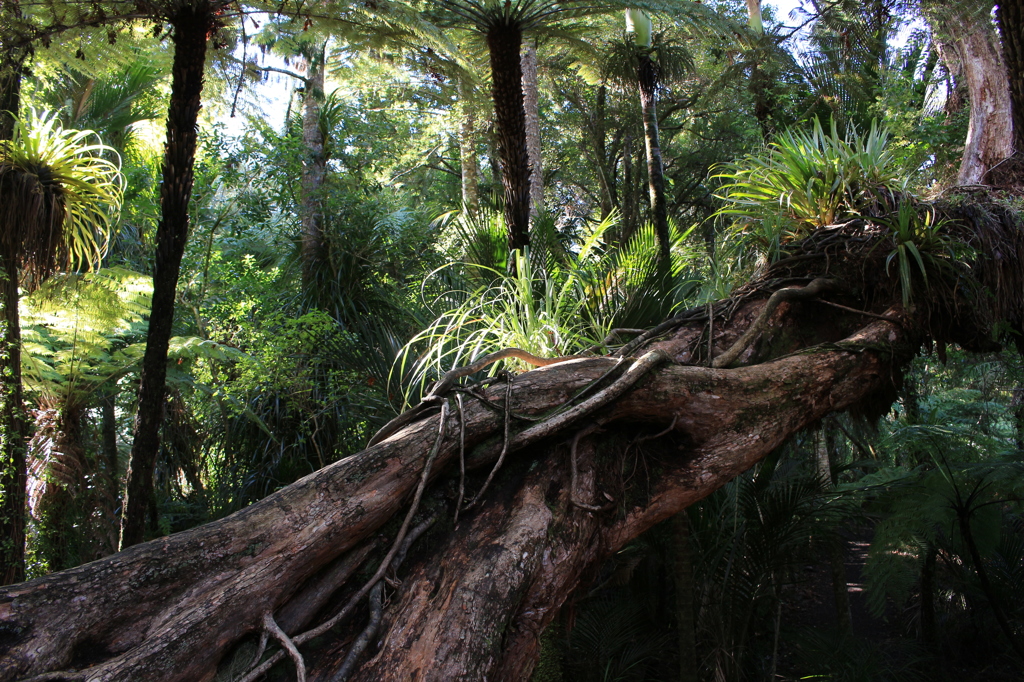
(989, 132)
(504, 42)
(314, 169)
(191, 25)
(647, 79)
(1010, 15)
(531, 109)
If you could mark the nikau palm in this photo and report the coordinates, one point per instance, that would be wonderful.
(58, 196)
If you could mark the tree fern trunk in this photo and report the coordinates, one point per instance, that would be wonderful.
(647, 78)
(504, 43)
(12, 431)
(531, 109)
(191, 25)
(313, 171)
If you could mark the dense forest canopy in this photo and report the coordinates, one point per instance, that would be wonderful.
(520, 340)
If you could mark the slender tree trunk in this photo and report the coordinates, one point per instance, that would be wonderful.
(108, 443)
(630, 217)
(647, 78)
(314, 169)
(598, 130)
(1017, 403)
(686, 619)
(836, 553)
(531, 107)
(504, 43)
(1010, 15)
(467, 152)
(191, 25)
(928, 631)
(12, 431)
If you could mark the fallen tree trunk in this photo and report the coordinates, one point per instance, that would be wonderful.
(473, 605)
(169, 609)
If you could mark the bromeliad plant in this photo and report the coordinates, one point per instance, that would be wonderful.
(563, 304)
(803, 181)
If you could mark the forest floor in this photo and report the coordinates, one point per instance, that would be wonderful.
(882, 648)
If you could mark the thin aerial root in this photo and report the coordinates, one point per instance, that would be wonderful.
(667, 431)
(504, 447)
(462, 456)
(809, 292)
(261, 648)
(272, 628)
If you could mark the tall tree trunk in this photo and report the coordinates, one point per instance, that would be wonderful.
(504, 43)
(467, 151)
(12, 409)
(598, 130)
(191, 25)
(836, 546)
(1010, 16)
(12, 431)
(314, 169)
(630, 212)
(531, 109)
(647, 79)
(990, 131)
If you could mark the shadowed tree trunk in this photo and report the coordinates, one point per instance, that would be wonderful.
(504, 42)
(12, 431)
(474, 599)
(1010, 15)
(191, 25)
(12, 408)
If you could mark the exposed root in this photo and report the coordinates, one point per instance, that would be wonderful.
(809, 292)
(274, 630)
(57, 675)
(364, 638)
